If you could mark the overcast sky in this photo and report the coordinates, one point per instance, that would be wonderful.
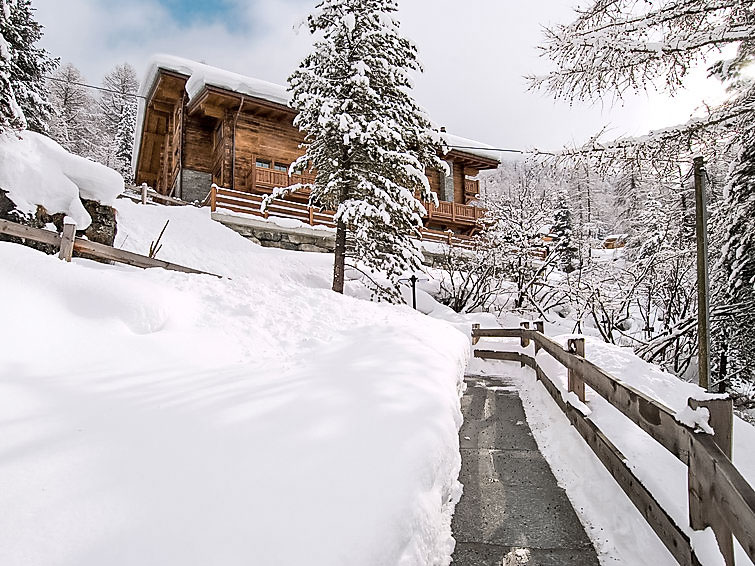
(475, 54)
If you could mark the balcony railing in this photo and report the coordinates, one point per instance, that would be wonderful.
(265, 179)
(455, 213)
(471, 188)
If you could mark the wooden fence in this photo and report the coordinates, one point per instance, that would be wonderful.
(67, 243)
(719, 497)
(247, 203)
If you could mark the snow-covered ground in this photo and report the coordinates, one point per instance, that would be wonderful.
(155, 417)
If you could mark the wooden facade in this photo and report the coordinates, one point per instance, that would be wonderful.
(246, 143)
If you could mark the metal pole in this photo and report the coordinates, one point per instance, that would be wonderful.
(414, 291)
(703, 313)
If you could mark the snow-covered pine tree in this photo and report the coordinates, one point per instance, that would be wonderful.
(562, 229)
(117, 116)
(366, 138)
(738, 258)
(29, 64)
(124, 140)
(117, 109)
(11, 115)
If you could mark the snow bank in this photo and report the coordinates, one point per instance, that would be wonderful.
(35, 170)
(155, 417)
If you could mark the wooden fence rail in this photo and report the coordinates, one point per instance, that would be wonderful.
(68, 243)
(719, 496)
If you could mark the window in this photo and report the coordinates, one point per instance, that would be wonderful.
(281, 167)
(264, 163)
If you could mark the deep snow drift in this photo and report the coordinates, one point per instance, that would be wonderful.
(155, 417)
(35, 170)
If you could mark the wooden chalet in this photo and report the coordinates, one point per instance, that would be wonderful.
(201, 125)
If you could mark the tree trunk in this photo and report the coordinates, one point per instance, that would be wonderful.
(339, 266)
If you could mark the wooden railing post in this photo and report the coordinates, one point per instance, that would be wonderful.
(475, 338)
(66, 242)
(213, 197)
(144, 193)
(576, 385)
(524, 325)
(523, 341)
(703, 509)
(539, 327)
(311, 216)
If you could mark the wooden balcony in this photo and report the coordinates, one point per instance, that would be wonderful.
(265, 179)
(453, 213)
(471, 188)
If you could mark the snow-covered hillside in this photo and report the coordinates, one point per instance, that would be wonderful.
(155, 417)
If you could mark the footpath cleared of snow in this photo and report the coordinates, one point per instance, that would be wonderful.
(155, 417)
(619, 532)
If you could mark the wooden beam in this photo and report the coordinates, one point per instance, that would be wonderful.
(498, 333)
(100, 251)
(501, 356)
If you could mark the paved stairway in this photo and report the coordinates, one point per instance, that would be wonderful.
(512, 512)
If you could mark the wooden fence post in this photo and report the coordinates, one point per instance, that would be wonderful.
(66, 241)
(524, 325)
(539, 327)
(703, 511)
(576, 385)
(213, 197)
(475, 339)
(144, 193)
(523, 341)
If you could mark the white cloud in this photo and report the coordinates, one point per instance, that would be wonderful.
(475, 54)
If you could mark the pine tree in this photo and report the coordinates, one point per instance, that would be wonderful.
(562, 229)
(29, 64)
(738, 258)
(11, 115)
(366, 138)
(124, 140)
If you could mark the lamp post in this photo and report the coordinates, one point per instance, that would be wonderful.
(413, 280)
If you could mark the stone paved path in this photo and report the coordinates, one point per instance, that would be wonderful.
(512, 512)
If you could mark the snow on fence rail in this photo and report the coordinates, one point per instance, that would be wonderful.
(248, 203)
(719, 496)
(68, 243)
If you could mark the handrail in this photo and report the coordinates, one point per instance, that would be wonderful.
(719, 496)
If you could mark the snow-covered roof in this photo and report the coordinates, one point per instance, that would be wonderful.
(202, 75)
(466, 145)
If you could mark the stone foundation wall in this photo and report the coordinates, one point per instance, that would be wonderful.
(270, 235)
(301, 239)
